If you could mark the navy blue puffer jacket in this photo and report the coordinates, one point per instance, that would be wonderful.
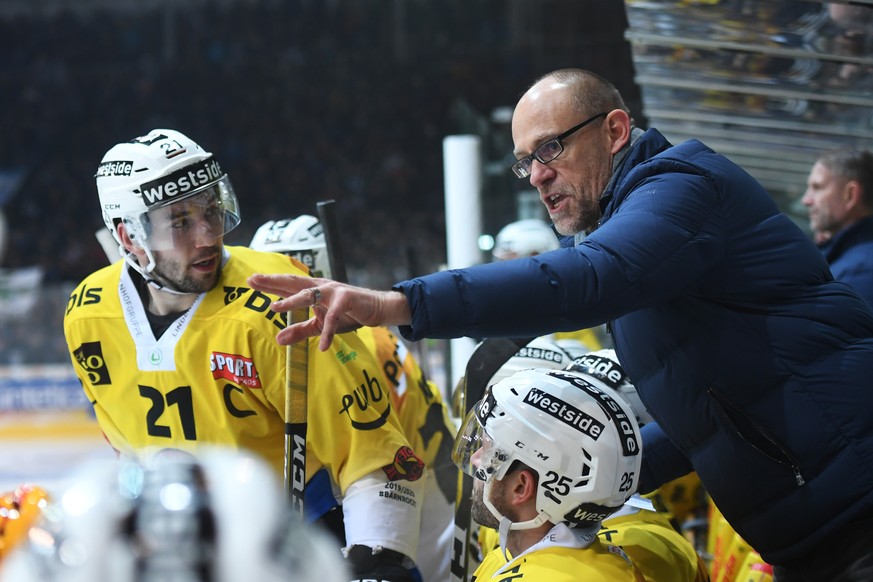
(757, 365)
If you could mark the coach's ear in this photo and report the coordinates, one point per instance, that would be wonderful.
(618, 126)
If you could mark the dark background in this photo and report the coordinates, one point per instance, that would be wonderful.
(300, 101)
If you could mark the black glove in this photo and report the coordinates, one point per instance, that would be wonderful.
(379, 565)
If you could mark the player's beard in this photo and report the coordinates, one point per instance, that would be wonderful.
(175, 275)
(479, 511)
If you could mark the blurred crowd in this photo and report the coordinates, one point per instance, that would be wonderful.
(299, 101)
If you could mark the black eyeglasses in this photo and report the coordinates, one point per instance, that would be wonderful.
(548, 151)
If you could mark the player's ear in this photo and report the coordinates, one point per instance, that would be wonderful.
(129, 245)
(524, 486)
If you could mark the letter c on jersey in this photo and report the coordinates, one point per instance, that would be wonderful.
(229, 389)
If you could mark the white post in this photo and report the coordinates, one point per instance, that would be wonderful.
(462, 168)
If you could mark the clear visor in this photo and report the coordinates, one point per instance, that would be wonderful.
(474, 452)
(198, 220)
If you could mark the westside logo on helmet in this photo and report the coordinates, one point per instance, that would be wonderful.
(120, 168)
(623, 424)
(603, 369)
(182, 181)
(565, 412)
(535, 353)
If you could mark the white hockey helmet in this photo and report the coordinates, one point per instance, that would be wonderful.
(580, 439)
(138, 178)
(524, 238)
(603, 366)
(540, 352)
(301, 238)
(572, 346)
(219, 517)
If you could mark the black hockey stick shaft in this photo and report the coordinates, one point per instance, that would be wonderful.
(330, 224)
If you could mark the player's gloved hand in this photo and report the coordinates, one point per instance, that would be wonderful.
(379, 565)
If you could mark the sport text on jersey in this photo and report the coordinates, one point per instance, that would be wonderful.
(237, 369)
(629, 443)
(565, 412)
(182, 181)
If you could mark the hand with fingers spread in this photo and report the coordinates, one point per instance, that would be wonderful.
(337, 308)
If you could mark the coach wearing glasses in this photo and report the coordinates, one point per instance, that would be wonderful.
(756, 364)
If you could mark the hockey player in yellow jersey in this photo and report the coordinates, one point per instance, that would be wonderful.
(648, 538)
(415, 400)
(552, 456)
(175, 350)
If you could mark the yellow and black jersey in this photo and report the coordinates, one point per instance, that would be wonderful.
(419, 406)
(660, 552)
(596, 562)
(217, 376)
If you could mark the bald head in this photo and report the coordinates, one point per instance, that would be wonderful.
(567, 128)
(586, 92)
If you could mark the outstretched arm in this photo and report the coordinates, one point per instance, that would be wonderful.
(336, 308)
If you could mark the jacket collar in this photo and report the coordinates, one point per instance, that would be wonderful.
(645, 146)
(858, 232)
(641, 146)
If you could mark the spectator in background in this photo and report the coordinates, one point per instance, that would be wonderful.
(839, 198)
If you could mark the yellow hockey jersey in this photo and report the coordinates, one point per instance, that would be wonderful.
(660, 552)
(426, 423)
(217, 376)
(597, 562)
(419, 406)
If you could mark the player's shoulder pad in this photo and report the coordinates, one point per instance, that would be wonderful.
(97, 292)
(248, 261)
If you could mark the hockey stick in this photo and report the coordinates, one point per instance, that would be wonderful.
(330, 225)
(484, 362)
(296, 404)
(297, 373)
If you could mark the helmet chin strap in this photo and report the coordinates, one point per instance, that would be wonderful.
(130, 259)
(506, 524)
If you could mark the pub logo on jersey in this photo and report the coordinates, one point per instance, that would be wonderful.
(89, 356)
(234, 368)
